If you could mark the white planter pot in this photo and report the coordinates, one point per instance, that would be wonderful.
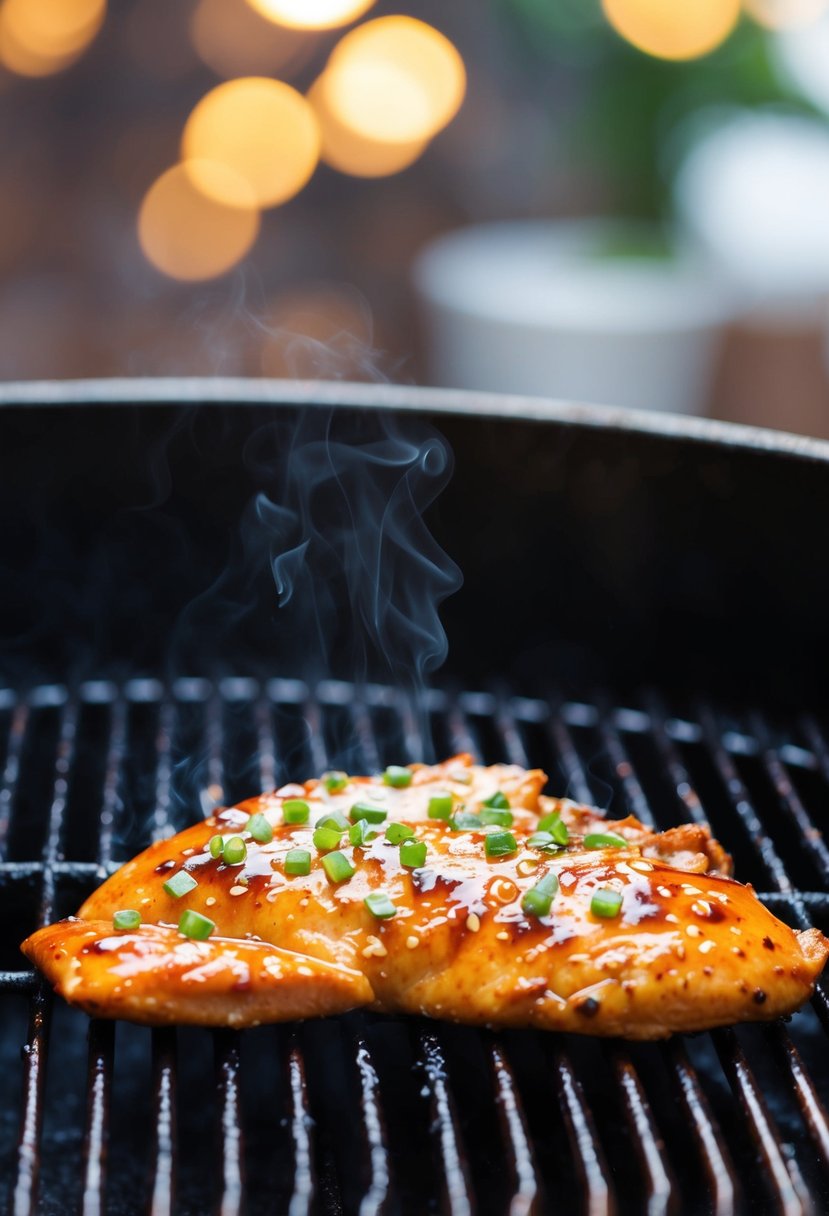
(534, 307)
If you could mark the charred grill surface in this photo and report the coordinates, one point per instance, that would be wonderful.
(380, 1115)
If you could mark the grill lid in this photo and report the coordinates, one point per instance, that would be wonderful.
(373, 1114)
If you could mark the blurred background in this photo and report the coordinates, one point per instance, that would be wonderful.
(623, 201)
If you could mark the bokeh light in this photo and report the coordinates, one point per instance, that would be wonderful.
(395, 80)
(235, 40)
(191, 235)
(785, 14)
(312, 14)
(673, 29)
(800, 57)
(345, 150)
(263, 130)
(38, 37)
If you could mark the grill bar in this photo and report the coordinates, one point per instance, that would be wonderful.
(299, 1122)
(98, 1088)
(526, 1185)
(660, 1187)
(11, 769)
(722, 1179)
(457, 1189)
(584, 1140)
(229, 1124)
(374, 1201)
(802, 822)
(163, 1154)
(787, 1187)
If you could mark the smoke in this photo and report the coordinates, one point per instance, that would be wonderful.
(358, 576)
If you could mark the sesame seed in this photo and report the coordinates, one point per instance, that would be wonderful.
(473, 922)
(304, 971)
(622, 867)
(238, 890)
(374, 949)
(502, 936)
(527, 866)
(210, 901)
(707, 946)
(737, 932)
(679, 951)
(736, 950)
(701, 907)
(664, 892)
(644, 867)
(689, 890)
(303, 903)
(693, 931)
(673, 919)
(412, 942)
(187, 852)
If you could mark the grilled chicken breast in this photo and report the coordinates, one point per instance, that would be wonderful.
(464, 895)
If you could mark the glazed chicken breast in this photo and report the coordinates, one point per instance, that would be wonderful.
(454, 891)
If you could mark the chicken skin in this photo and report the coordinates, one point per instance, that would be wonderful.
(454, 891)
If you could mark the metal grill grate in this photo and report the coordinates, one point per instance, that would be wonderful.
(380, 1115)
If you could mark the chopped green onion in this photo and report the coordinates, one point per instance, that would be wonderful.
(216, 846)
(604, 840)
(556, 826)
(235, 851)
(413, 854)
(440, 806)
(543, 840)
(499, 844)
(396, 833)
(337, 867)
(294, 810)
(364, 810)
(326, 839)
(605, 902)
(360, 833)
(502, 819)
(539, 899)
(260, 829)
(180, 884)
(193, 924)
(297, 861)
(335, 781)
(398, 777)
(498, 802)
(379, 905)
(126, 919)
(465, 821)
(335, 820)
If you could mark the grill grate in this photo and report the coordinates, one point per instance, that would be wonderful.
(380, 1115)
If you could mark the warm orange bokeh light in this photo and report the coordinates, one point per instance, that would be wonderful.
(263, 130)
(673, 29)
(235, 40)
(38, 37)
(312, 14)
(395, 80)
(785, 14)
(345, 150)
(188, 235)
